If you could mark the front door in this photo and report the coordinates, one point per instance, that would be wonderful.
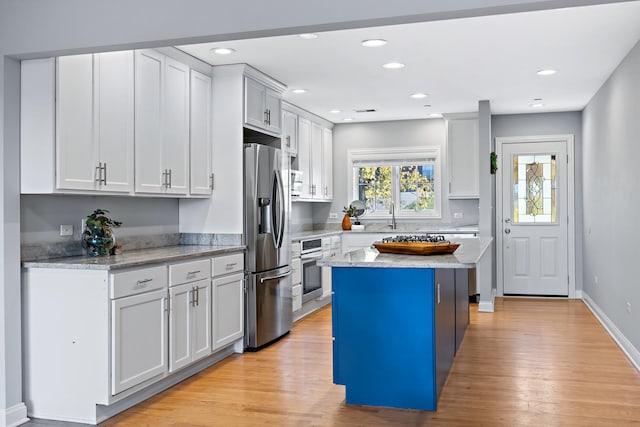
(534, 223)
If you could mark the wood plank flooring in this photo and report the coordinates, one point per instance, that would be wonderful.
(531, 363)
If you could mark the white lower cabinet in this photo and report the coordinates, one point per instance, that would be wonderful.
(228, 304)
(228, 299)
(189, 323)
(94, 340)
(139, 331)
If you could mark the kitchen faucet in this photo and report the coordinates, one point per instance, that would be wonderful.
(392, 211)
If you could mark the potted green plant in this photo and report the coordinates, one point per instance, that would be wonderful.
(97, 237)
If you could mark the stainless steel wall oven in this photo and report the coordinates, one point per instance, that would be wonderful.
(310, 252)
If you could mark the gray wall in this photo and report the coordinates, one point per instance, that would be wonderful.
(145, 221)
(403, 133)
(611, 149)
(551, 124)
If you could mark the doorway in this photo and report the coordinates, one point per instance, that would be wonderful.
(535, 231)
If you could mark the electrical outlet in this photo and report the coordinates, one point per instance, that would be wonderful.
(457, 215)
(628, 307)
(333, 215)
(66, 230)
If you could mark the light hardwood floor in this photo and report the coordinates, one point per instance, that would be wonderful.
(531, 363)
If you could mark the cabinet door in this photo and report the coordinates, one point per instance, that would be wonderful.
(114, 118)
(149, 130)
(304, 156)
(290, 132)
(462, 144)
(254, 109)
(228, 309)
(201, 318)
(175, 141)
(139, 339)
(462, 304)
(181, 299)
(200, 136)
(317, 190)
(327, 164)
(76, 154)
(445, 324)
(273, 105)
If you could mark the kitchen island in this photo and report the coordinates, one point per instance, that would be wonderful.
(398, 321)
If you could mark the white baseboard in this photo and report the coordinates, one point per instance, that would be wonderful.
(579, 294)
(487, 306)
(625, 345)
(13, 416)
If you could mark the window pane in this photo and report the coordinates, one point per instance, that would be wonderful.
(417, 186)
(534, 184)
(374, 187)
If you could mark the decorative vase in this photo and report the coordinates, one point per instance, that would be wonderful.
(97, 245)
(346, 222)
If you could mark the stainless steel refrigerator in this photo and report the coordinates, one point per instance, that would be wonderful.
(268, 313)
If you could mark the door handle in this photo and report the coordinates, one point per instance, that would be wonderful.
(507, 220)
(279, 276)
(507, 231)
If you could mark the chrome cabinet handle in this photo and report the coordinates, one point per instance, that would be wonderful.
(170, 178)
(288, 138)
(211, 181)
(104, 178)
(99, 173)
(231, 264)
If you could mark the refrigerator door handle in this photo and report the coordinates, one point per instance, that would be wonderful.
(279, 276)
(279, 212)
(281, 209)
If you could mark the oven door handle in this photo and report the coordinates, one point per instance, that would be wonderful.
(279, 276)
(312, 256)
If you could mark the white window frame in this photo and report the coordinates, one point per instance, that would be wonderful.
(406, 155)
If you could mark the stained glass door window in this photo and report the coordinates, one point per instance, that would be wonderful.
(534, 189)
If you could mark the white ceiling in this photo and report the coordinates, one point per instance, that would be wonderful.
(457, 62)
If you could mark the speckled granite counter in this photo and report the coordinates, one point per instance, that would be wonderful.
(382, 229)
(133, 258)
(466, 256)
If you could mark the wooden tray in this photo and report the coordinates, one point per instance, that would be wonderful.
(417, 248)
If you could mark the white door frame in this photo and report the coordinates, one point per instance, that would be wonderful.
(571, 232)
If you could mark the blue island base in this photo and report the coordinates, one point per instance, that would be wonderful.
(384, 328)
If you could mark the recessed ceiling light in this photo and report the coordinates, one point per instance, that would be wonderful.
(393, 65)
(418, 95)
(308, 36)
(347, 119)
(427, 105)
(223, 50)
(547, 72)
(299, 91)
(335, 111)
(536, 105)
(374, 42)
(435, 115)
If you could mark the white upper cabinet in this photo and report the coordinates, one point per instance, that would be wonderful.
(162, 124)
(463, 162)
(304, 156)
(315, 160)
(200, 126)
(262, 107)
(77, 123)
(327, 164)
(290, 132)
(85, 118)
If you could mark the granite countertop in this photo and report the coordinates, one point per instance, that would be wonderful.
(133, 258)
(384, 229)
(466, 256)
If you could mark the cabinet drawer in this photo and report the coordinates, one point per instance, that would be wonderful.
(137, 281)
(190, 271)
(227, 264)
